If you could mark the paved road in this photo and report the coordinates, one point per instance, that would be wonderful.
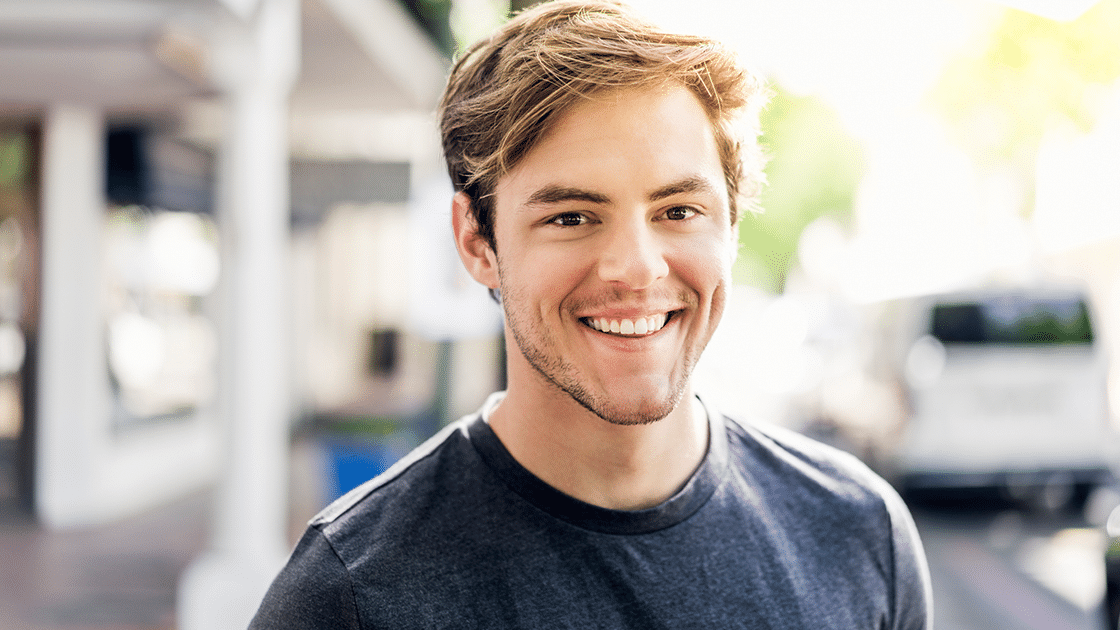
(998, 567)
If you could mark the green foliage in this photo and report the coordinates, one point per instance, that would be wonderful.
(814, 169)
(364, 426)
(520, 5)
(1033, 73)
(13, 159)
(433, 16)
(15, 172)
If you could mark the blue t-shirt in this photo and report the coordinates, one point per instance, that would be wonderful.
(772, 531)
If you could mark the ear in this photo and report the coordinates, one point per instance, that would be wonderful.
(477, 255)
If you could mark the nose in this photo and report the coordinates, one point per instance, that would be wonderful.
(633, 256)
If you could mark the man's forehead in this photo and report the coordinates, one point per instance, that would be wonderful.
(646, 142)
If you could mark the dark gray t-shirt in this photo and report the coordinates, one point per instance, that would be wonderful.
(772, 531)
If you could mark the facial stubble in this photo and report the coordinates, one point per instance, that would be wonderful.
(564, 376)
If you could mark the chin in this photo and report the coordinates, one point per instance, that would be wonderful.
(637, 412)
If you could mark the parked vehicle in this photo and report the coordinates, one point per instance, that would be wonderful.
(1005, 387)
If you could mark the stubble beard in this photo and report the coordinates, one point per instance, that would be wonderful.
(564, 376)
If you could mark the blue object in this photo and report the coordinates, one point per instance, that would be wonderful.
(353, 462)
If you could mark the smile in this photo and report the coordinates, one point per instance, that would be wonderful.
(629, 327)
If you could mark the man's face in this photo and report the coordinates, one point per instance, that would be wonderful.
(614, 252)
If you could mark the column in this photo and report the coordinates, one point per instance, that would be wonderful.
(258, 62)
(73, 404)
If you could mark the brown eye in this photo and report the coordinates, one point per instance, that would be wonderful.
(569, 219)
(679, 213)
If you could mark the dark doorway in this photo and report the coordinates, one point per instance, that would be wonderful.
(19, 308)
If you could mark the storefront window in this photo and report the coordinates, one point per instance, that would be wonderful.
(161, 269)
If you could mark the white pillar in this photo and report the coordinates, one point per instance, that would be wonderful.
(259, 63)
(73, 404)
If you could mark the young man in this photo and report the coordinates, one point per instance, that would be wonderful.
(601, 166)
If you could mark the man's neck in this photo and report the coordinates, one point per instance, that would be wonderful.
(604, 464)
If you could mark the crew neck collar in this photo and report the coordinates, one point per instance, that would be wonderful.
(686, 502)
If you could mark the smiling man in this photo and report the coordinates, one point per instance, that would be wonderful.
(600, 166)
(612, 251)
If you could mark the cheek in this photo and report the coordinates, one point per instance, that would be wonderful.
(542, 274)
(706, 264)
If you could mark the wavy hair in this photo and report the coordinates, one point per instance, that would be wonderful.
(505, 91)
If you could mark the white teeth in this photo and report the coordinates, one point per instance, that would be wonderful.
(636, 326)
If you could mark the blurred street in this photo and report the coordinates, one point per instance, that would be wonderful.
(1000, 568)
(119, 577)
(123, 576)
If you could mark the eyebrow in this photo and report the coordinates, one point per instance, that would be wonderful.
(553, 194)
(556, 194)
(693, 184)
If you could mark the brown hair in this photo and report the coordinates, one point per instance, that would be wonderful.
(506, 90)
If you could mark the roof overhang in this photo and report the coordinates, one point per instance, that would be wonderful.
(152, 54)
(114, 53)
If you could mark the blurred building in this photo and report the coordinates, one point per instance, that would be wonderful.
(219, 218)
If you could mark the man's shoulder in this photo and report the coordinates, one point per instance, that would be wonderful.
(424, 471)
(795, 460)
(840, 506)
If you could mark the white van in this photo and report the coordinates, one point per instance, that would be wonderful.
(1005, 388)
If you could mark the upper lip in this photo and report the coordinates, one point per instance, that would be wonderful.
(628, 312)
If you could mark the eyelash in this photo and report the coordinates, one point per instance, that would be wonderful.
(559, 219)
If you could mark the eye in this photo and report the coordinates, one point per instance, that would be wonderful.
(679, 213)
(569, 219)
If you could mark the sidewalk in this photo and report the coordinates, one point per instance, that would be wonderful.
(122, 576)
(119, 577)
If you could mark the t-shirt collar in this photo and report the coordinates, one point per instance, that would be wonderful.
(678, 508)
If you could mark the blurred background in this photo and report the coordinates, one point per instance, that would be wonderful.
(228, 289)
